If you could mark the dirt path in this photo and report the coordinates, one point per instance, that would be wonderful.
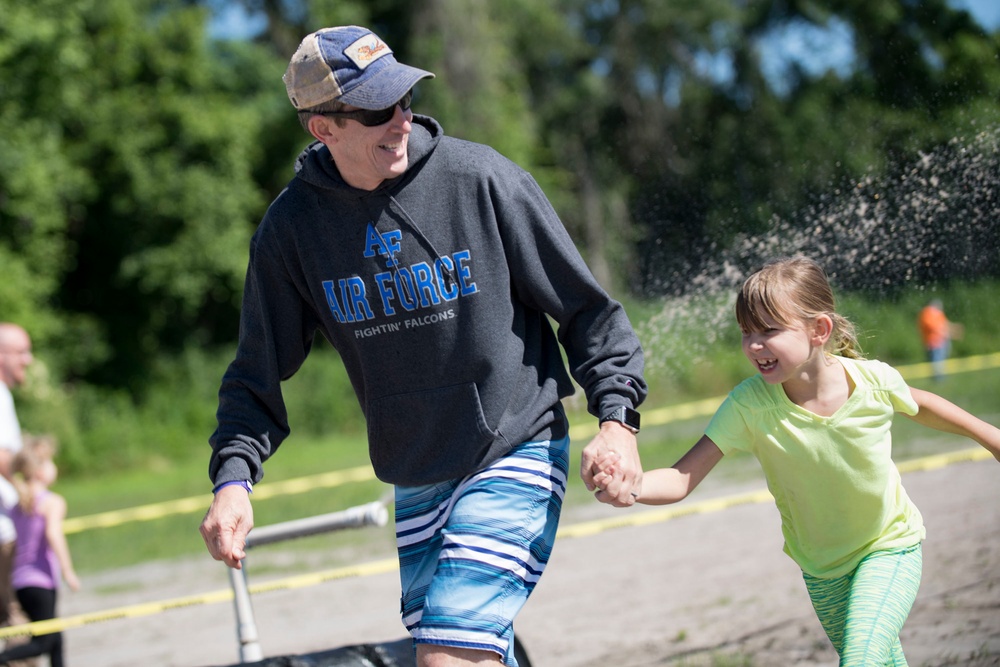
(672, 593)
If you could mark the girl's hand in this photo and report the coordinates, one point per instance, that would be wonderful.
(621, 488)
(604, 470)
(72, 581)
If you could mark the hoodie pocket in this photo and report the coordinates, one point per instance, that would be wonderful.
(425, 437)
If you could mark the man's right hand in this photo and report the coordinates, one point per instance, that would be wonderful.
(227, 524)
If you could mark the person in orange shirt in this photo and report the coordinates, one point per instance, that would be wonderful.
(936, 331)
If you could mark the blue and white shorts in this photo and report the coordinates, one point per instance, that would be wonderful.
(471, 550)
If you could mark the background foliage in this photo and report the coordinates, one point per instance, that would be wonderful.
(140, 145)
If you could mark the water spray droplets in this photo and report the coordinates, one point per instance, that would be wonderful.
(933, 220)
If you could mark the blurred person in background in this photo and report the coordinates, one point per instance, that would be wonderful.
(936, 333)
(15, 357)
(42, 560)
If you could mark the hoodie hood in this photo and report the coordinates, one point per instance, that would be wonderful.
(315, 165)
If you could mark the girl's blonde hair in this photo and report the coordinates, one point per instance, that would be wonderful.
(791, 290)
(35, 452)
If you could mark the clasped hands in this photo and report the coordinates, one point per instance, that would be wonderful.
(610, 466)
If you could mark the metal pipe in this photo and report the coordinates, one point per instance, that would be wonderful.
(246, 627)
(370, 514)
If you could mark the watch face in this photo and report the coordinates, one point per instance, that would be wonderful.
(627, 416)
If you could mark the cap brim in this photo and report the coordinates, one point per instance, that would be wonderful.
(385, 87)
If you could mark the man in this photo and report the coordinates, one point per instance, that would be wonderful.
(433, 266)
(15, 357)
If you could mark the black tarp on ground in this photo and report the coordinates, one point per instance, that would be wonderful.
(392, 654)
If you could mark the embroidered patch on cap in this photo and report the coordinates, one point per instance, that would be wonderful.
(367, 50)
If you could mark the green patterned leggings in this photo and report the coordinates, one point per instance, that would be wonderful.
(863, 612)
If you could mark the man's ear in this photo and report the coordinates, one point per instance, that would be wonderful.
(822, 330)
(320, 127)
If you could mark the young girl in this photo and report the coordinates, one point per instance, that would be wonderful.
(817, 416)
(41, 557)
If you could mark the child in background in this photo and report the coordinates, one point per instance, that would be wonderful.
(42, 558)
(937, 332)
(817, 416)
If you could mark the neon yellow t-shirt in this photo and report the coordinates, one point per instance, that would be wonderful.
(833, 479)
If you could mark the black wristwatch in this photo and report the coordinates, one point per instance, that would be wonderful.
(627, 417)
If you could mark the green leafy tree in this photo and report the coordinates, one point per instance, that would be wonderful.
(37, 182)
(750, 153)
(129, 183)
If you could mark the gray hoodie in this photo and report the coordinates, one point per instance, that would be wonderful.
(436, 289)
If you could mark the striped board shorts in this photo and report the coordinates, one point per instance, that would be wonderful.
(471, 550)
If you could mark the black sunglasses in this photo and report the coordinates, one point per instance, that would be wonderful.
(373, 117)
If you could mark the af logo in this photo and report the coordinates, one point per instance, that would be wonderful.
(386, 245)
(423, 284)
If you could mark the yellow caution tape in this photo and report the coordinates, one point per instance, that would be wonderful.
(657, 516)
(585, 529)
(201, 503)
(936, 461)
(655, 417)
(150, 608)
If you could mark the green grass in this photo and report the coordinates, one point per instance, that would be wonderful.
(687, 359)
(174, 536)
